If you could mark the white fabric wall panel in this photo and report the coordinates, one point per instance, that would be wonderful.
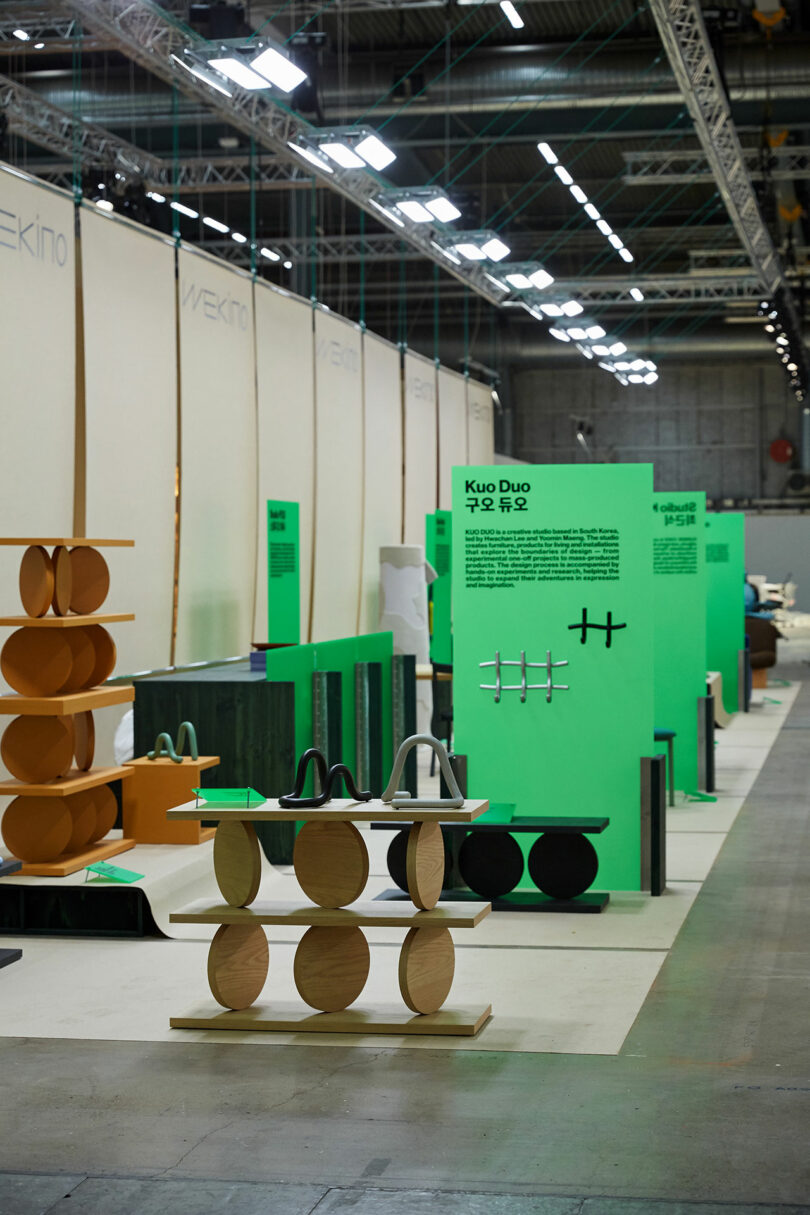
(285, 380)
(131, 392)
(338, 477)
(37, 368)
(216, 581)
(419, 398)
(452, 431)
(382, 513)
(480, 424)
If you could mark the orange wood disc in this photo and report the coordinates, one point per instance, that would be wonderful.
(426, 967)
(84, 740)
(237, 862)
(106, 812)
(83, 814)
(105, 654)
(424, 864)
(37, 829)
(36, 580)
(37, 662)
(331, 967)
(83, 652)
(331, 863)
(63, 581)
(37, 749)
(91, 580)
(238, 962)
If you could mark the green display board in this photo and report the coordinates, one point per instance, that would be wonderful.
(554, 561)
(283, 573)
(439, 552)
(297, 665)
(725, 599)
(679, 584)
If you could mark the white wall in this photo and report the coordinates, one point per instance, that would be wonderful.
(778, 545)
(420, 440)
(382, 447)
(452, 392)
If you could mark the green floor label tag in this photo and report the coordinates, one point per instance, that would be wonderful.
(112, 873)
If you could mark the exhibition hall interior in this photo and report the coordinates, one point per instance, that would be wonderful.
(404, 607)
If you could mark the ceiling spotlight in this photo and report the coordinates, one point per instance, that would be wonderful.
(591, 211)
(524, 275)
(374, 152)
(618, 348)
(635, 378)
(792, 367)
(414, 210)
(616, 241)
(595, 332)
(496, 250)
(312, 156)
(580, 335)
(21, 34)
(553, 310)
(572, 308)
(343, 155)
(604, 227)
(471, 252)
(512, 15)
(251, 65)
(104, 204)
(215, 224)
(564, 176)
(288, 265)
(481, 246)
(781, 340)
(626, 255)
(239, 72)
(443, 209)
(239, 238)
(204, 73)
(560, 335)
(545, 151)
(353, 147)
(184, 210)
(636, 294)
(38, 46)
(520, 282)
(278, 69)
(422, 205)
(388, 214)
(769, 329)
(579, 194)
(270, 254)
(650, 377)
(155, 197)
(602, 351)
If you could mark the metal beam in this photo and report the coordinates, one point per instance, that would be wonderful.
(199, 175)
(685, 167)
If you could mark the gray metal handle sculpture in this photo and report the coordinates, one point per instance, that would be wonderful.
(401, 797)
(164, 744)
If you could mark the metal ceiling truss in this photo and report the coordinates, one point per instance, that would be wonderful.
(196, 176)
(145, 33)
(675, 168)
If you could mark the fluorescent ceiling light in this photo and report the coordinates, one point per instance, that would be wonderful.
(311, 155)
(343, 156)
(545, 151)
(443, 209)
(650, 377)
(270, 254)
(375, 152)
(155, 197)
(604, 227)
(239, 238)
(651, 365)
(564, 176)
(636, 379)
(579, 334)
(278, 69)
(239, 72)
(579, 194)
(625, 255)
(216, 224)
(638, 365)
(414, 211)
(519, 281)
(637, 294)
(602, 351)
(541, 279)
(623, 366)
(184, 210)
(512, 15)
(470, 251)
(21, 34)
(591, 211)
(595, 332)
(616, 241)
(104, 205)
(572, 308)
(618, 348)
(560, 335)
(552, 309)
(495, 249)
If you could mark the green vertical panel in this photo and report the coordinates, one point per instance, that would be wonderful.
(295, 664)
(283, 573)
(679, 586)
(725, 603)
(438, 549)
(533, 551)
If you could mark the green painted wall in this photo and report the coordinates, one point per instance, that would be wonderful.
(679, 584)
(527, 563)
(725, 604)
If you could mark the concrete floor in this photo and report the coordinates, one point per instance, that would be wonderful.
(705, 1110)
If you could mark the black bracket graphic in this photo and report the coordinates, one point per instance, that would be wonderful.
(327, 780)
(609, 628)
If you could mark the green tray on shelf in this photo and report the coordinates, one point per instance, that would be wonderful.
(230, 799)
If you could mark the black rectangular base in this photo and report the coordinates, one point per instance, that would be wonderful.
(7, 956)
(7, 867)
(590, 903)
(51, 908)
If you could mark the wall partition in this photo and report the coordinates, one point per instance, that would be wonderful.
(382, 446)
(420, 445)
(218, 515)
(338, 477)
(480, 433)
(452, 390)
(285, 385)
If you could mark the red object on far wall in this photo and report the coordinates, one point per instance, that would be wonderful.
(781, 451)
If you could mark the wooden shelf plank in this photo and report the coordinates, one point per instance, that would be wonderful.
(74, 782)
(457, 1022)
(76, 702)
(363, 914)
(64, 622)
(77, 860)
(72, 541)
(337, 810)
(202, 762)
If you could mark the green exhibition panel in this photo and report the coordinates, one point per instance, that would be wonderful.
(679, 588)
(552, 566)
(283, 573)
(438, 550)
(725, 605)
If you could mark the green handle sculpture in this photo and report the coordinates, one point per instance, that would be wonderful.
(164, 744)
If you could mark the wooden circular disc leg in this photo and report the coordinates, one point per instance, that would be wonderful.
(491, 863)
(424, 864)
(396, 859)
(331, 967)
(83, 653)
(106, 812)
(37, 829)
(105, 654)
(90, 579)
(563, 865)
(426, 967)
(237, 862)
(331, 863)
(36, 580)
(37, 661)
(84, 815)
(37, 749)
(238, 962)
(84, 740)
(63, 581)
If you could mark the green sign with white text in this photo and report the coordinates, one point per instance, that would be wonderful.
(725, 599)
(283, 573)
(438, 550)
(553, 615)
(679, 576)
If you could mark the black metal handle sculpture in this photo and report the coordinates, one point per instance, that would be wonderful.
(326, 778)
